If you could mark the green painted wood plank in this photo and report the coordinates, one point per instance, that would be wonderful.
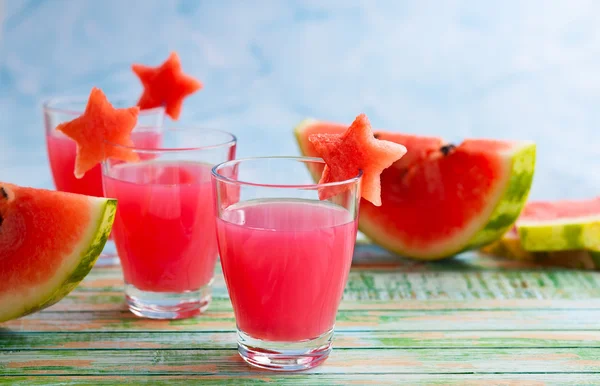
(371, 257)
(356, 361)
(315, 379)
(13, 341)
(364, 320)
(448, 284)
(115, 300)
(368, 254)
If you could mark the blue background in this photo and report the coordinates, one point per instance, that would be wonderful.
(505, 69)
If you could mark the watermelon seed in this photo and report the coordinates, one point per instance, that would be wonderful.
(446, 149)
(376, 135)
(4, 194)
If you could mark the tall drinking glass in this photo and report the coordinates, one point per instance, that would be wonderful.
(62, 151)
(164, 226)
(285, 255)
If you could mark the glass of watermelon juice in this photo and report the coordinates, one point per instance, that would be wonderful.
(62, 151)
(285, 256)
(164, 226)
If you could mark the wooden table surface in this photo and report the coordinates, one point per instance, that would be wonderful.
(473, 320)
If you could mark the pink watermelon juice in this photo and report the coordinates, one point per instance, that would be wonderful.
(286, 263)
(62, 151)
(164, 227)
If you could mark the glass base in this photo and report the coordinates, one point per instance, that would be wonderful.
(168, 305)
(284, 356)
(109, 256)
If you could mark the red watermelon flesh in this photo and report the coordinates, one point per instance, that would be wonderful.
(442, 199)
(543, 211)
(418, 148)
(101, 122)
(165, 85)
(49, 241)
(18, 240)
(440, 195)
(353, 151)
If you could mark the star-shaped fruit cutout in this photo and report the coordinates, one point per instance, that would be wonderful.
(356, 149)
(101, 122)
(165, 85)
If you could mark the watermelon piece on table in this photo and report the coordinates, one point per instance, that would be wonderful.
(510, 247)
(560, 225)
(101, 122)
(165, 85)
(355, 150)
(441, 199)
(49, 241)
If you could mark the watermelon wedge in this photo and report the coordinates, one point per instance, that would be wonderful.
(560, 225)
(49, 241)
(440, 199)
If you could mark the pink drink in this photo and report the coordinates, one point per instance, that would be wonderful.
(164, 227)
(286, 263)
(62, 151)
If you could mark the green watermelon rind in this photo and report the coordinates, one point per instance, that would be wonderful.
(73, 270)
(491, 225)
(513, 199)
(560, 235)
(595, 257)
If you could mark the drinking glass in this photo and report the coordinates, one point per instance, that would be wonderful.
(62, 151)
(164, 226)
(285, 255)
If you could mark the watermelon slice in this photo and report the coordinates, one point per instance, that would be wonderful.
(560, 225)
(347, 154)
(510, 247)
(101, 122)
(165, 85)
(560, 233)
(441, 199)
(49, 241)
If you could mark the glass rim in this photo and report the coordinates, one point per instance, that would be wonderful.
(52, 104)
(219, 177)
(230, 142)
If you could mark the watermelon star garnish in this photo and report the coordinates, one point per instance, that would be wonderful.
(357, 149)
(101, 122)
(165, 85)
